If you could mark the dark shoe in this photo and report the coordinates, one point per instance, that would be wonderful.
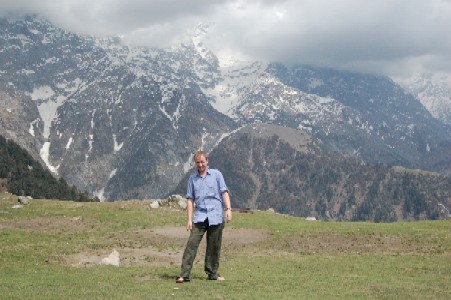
(182, 279)
(215, 277)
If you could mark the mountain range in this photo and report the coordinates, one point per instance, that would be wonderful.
(122, 122)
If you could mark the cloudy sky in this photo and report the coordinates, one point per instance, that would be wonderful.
(393, 37)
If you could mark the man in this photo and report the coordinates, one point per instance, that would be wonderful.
(207, 199)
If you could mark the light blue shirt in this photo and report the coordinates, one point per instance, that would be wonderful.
(206, 192)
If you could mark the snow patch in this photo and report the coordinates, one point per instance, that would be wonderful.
(23, 39)
(92, 119)
(69, 142)
(31, 129)
(44, 153)
(42, 93)
(174, 118)
(33, 31)
(325, 100)
(205, 134)
(100, 194)
(47, 108)
(90, 141)
(188, 164)
(112, 173)
(117, 146)
(234, 76)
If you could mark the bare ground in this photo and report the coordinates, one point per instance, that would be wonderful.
(170, 243)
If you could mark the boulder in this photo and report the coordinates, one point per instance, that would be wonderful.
(113, 259)
(155, 204)
(23, 200)
(182, 203)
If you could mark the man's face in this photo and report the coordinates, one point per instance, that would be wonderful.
(201, 164)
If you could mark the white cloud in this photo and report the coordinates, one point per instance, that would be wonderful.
(394, 37)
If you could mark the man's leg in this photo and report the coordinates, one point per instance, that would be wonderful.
(191, 248)
(213, 252)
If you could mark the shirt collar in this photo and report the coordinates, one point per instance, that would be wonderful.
(206, 173)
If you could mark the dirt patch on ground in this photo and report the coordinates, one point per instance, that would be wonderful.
(167, 245)
(380, 244)
(55, 225)
(126, 257)
(231, 235)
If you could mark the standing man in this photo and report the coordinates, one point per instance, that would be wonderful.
(208, 198)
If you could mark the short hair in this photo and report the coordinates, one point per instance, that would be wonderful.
(200, 153)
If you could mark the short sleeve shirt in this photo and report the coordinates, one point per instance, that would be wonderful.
(206, 192)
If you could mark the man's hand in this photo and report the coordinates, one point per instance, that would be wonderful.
(229, 215)
(189, 226)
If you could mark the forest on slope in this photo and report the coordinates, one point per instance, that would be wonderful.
(21, 174)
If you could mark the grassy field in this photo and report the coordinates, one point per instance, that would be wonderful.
(53, 250)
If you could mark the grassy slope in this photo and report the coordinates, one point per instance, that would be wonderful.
(299, 259)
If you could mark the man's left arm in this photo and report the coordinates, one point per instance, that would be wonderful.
(227, 205)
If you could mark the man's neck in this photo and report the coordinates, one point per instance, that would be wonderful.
(203, 173)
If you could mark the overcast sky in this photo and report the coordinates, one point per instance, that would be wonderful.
(393, 37)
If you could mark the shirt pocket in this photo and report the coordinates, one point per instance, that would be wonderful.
(211, 191)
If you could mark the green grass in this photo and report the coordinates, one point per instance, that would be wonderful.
(297, 259)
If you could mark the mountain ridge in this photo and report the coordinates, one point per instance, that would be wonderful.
(123, 122)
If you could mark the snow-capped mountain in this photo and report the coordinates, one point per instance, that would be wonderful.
(381, 122)
(123, 122)
(434, 92)
(114, 121)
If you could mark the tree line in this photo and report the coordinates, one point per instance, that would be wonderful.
(21, 174)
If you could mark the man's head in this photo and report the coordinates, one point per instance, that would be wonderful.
(201, 160)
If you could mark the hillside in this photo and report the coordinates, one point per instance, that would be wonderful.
(20, 174)
(269, 166)
(54, 249)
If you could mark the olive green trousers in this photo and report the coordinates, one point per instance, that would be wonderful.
(212, 253)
